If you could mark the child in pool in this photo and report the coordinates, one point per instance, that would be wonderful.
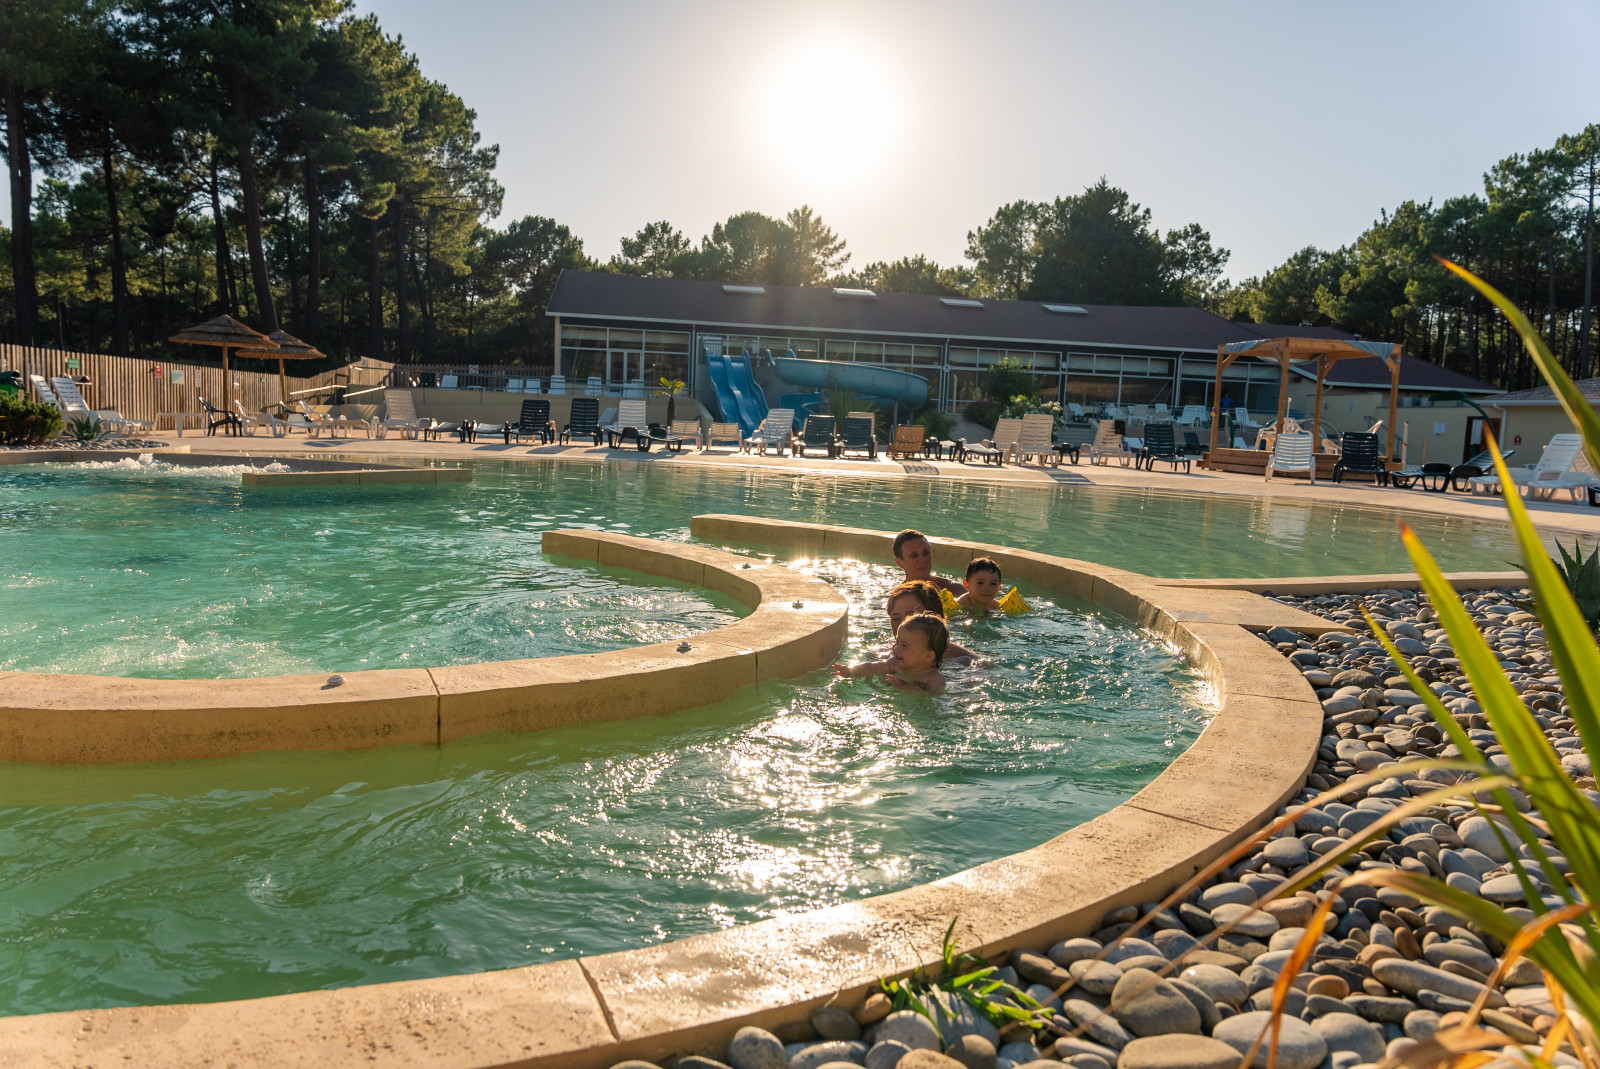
(913, 664)
(919, 595)
(983, 587)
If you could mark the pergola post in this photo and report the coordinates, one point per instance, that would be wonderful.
(1316, 408)
(1216, 400)
(1283, 385)
(1394, 400)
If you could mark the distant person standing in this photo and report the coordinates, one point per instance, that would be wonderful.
(914, 554)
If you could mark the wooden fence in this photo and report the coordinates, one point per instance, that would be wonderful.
(143, 389)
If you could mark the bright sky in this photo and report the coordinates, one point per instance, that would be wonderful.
(1274, 125)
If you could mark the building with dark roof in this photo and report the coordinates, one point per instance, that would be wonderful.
(624, 328)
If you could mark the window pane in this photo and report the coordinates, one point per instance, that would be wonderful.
(963, 356)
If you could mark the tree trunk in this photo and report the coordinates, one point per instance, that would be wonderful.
(311, 324)
(1586, 321)
(251, 202)
(402, 314)
(374, 293)
(226, 296)
(119, 267)
(20, 164)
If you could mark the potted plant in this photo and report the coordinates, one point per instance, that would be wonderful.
(672, 387)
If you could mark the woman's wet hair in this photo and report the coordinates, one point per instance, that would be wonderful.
(934, 629)
(926, 593)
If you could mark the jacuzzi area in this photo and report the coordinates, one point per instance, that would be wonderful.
(523, 775)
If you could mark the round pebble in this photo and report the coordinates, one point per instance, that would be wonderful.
(756, 1048)
(1247, 922)
(1299, 1045)
(1346, 1031)
(1223, 985)
(1147, 1005)
(1095, 977)
(1178, 1052)
(831, 1022)
(886, 1054)
(910, 1028)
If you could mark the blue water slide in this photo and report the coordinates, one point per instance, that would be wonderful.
(727, 408)
(745, 401)
(884, 385)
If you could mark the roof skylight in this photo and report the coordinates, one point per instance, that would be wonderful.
(960, 302)
(1067, 309)
(728, 287)
(854, 294)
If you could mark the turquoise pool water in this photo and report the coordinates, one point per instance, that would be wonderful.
(257, 875)
(120, 570)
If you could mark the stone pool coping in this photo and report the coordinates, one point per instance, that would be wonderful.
(690, 995)
(308, 471)
(797, 624)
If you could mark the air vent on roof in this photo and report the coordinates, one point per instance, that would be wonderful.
(729, 288)
(960, 302)
(853, 294)
(1067, 309)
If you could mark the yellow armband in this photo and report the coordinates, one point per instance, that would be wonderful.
(1013, 604)
(948, 600)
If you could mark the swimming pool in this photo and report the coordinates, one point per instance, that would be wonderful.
(119, 569)
(268, 873)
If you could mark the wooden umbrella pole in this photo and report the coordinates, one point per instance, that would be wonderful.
(227, 383)
(283, 385)
(1216, 402)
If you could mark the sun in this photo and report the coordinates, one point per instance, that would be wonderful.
(827, 112)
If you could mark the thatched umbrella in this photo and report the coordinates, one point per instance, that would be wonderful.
(285, 346)
(228, 333)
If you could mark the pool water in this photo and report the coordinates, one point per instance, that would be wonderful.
(163, 571)
(269, 873)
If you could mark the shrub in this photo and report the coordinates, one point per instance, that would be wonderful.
(84, 430)
(935, 422)
(24, 421)
(983, 413)
(1008, 378)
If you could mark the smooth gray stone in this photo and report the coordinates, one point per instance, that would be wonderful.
(1147, 1005)
(1098, 1025)
(1096, 977)
(1019, 1052)
(1219, 894)
(635, 1063)
(972, 1051)
(1154, 962)
(1042, 995)
(1414, 976)
(756, 1048)
(1222, 985)
(1379, 1008)
(1006, 974)
(816, 1055)
(698, 1061)
(1174, 944)
(1294, 1003)
(1442, 1004)
(1124, 949)
(1342, 1059)
(910, 1028)
(1178, 1052)
(1068, 951)
(1421, 1024)
(886, 1054)
(1462, 882)
(1346, 1031)
(1204, 1003)
(1286, 853)
(1503, 890)
(1467, 860)
(1077, 1061)
(1299, 1045)
(1477, 833)
(1317, 1005)
(1068, 1046)
(1248, 923)
(1195, 919)
(1465, 953)
(831, 1022)
(1358, 820)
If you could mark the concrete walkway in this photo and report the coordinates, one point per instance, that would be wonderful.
(1560, 516)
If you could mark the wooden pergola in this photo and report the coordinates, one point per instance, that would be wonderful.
(1289, 351)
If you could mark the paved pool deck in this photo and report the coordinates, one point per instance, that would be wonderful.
(1560, 516)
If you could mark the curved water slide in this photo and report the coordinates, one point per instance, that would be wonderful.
(739, 399)
(883, 385)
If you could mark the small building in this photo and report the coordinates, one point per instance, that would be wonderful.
(624, 328)
(1530, 418)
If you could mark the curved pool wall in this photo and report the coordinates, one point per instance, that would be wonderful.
(690, 995)
(797, 624)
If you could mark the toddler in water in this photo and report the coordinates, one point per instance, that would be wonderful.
(919, 648)
(983, 587)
